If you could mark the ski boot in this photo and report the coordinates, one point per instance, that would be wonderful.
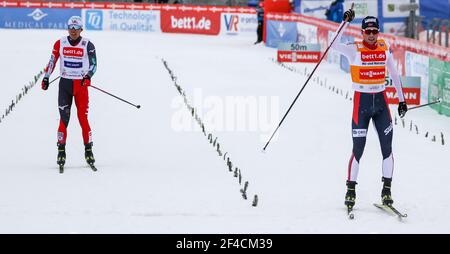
(89, 156)
(61, 159)
(386, 197)
(350, 196)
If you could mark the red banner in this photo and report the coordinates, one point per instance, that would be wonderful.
(412, 95)
(322, 38)
(124, 6)
(400, 44)
(191, 22)
(298, 56)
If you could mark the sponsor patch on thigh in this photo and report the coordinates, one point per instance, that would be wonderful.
(359, 133)
(388, 129)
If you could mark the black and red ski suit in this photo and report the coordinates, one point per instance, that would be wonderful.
(71, 87)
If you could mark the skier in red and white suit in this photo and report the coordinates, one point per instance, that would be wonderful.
(77, 66)
(369, 60)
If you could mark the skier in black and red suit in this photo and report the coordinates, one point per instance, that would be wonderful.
(77, 66)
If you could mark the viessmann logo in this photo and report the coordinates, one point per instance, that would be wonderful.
(372, 74)
(69, 51)
(376, 56)
(307, 57)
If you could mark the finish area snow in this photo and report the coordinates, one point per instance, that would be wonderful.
(157, 171)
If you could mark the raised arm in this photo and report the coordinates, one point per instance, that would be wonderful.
(347, 49)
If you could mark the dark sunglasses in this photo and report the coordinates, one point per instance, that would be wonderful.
(371, 31)
(75, 27)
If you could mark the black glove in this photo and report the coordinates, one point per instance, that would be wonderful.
(45, 84)
(402, 108)
(86, 81)
(349, 15)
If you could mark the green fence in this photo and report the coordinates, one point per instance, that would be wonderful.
(439, 85)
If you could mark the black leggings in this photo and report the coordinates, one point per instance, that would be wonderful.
(373, 106)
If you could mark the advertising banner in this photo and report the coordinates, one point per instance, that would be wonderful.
(445, 105)
(192, 22)
(317, 8)
(238, 24)
(399, 58)
(395, 8)
(440, 81)
(36, 18)
(418, 65)
(436, 82)
(322, 38)
(278, 31)
(411, 90)
(296, 52)
(122, 20)
(306, 33)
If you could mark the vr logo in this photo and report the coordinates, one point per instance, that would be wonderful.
(231, 23)
(94, 20)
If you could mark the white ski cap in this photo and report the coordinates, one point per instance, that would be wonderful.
(75, 20)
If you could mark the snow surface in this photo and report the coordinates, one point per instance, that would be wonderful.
(154, 178)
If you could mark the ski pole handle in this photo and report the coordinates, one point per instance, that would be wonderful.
(351, 8)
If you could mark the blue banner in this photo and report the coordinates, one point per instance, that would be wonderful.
(280, 31)
(36, 18)
(435, 9)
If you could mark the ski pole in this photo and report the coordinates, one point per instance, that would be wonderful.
(137, 106)
(423, 105)
(303, 87)
(53, 80)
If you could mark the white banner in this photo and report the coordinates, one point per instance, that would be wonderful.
(122, 20)
(418, 65)
(317, 8)
(238, 24)
(392, 8)
(306, 33)
(363, 8)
